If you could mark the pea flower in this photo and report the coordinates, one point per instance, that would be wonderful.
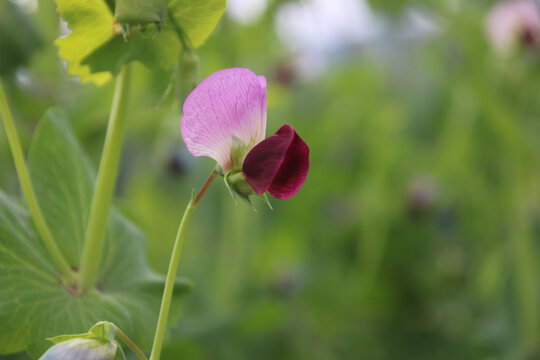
(224, 118)
(514, 22)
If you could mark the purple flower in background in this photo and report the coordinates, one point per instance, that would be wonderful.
(224, 118)
(514, 22)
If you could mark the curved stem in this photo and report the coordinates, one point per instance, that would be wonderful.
(130, 344)
(171, 273)
(29, 194)
(179, 32)
(105, 183)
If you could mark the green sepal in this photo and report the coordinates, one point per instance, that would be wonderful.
(247, 200)
(238, 186)
(231, 192)
(239, 151)
(103, 331)
(120, 355)
(264, 198)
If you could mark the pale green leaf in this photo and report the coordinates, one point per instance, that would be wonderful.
(197, 18)
(95, 48)
(33, 304)
(92, 25)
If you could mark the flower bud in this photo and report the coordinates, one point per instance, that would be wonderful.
(97, 344)
(81, 349)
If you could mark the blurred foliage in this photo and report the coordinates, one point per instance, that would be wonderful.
(18, 37)
(416, 234)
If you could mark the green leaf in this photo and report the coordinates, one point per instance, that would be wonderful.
(92, 25)
(34, 306)
(95, 48)
(197, 18)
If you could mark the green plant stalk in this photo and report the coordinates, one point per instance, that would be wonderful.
(106, 181)
(171, 273)
(29, 194)
(122, 336)
(523, 252)
(179, 32)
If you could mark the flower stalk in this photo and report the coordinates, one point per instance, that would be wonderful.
(171, 273)
(105, 183)
(42, 228)
(126, 340)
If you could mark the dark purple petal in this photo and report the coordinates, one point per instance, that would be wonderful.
(278, 164)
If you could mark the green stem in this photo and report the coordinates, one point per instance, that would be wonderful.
(29, 194)
(105, 183)
(131, 344)
(171, 273)
(179, 32)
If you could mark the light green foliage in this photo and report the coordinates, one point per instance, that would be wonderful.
(91, 24)
(96, 46)
(34, 306)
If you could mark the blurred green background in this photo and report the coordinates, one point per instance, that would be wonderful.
(416, 233)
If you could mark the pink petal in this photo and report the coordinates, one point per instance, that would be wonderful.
(229, 104)
(278, 164)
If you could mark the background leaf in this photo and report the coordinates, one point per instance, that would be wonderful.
(16, 47)
(34, 306)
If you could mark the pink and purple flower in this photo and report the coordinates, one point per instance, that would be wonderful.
(224, 118)
(513, 23)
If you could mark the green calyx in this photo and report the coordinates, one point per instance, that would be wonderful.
(239, 151)
(102, 331)
(238, 186)
(237, 182)
(234, 177)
